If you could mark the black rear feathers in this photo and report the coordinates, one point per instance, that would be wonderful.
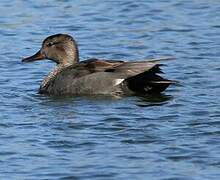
(148, 82)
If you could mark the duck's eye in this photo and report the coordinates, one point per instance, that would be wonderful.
(50, 44)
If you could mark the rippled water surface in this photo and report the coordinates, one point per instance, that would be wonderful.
(175, 135)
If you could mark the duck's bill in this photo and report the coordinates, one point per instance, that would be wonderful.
(35, 57)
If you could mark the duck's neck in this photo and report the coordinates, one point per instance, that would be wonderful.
(71, 54)
(72, 57)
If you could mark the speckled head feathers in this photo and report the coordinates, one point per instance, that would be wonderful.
(60, 48)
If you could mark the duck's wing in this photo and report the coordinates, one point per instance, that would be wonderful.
(90, 66)
(129, 69)
(125, 69)
(100, 65)
(137, 67)
(133, 68)
(142, 76)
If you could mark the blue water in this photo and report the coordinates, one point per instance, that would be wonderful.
(175, 135)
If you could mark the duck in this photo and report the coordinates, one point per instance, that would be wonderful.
(96, 76)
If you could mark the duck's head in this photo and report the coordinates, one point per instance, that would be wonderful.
(60, 48)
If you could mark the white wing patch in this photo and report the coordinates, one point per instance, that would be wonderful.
(118, 81)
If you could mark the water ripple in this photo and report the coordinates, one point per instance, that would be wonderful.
(174, 135)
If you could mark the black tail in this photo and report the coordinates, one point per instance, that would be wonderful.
(148, 82)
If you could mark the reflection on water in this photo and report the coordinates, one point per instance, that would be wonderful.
(154, 100)
(174, 135)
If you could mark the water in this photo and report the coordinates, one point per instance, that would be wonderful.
(171, 136)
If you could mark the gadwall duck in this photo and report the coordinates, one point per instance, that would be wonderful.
(95, 76)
